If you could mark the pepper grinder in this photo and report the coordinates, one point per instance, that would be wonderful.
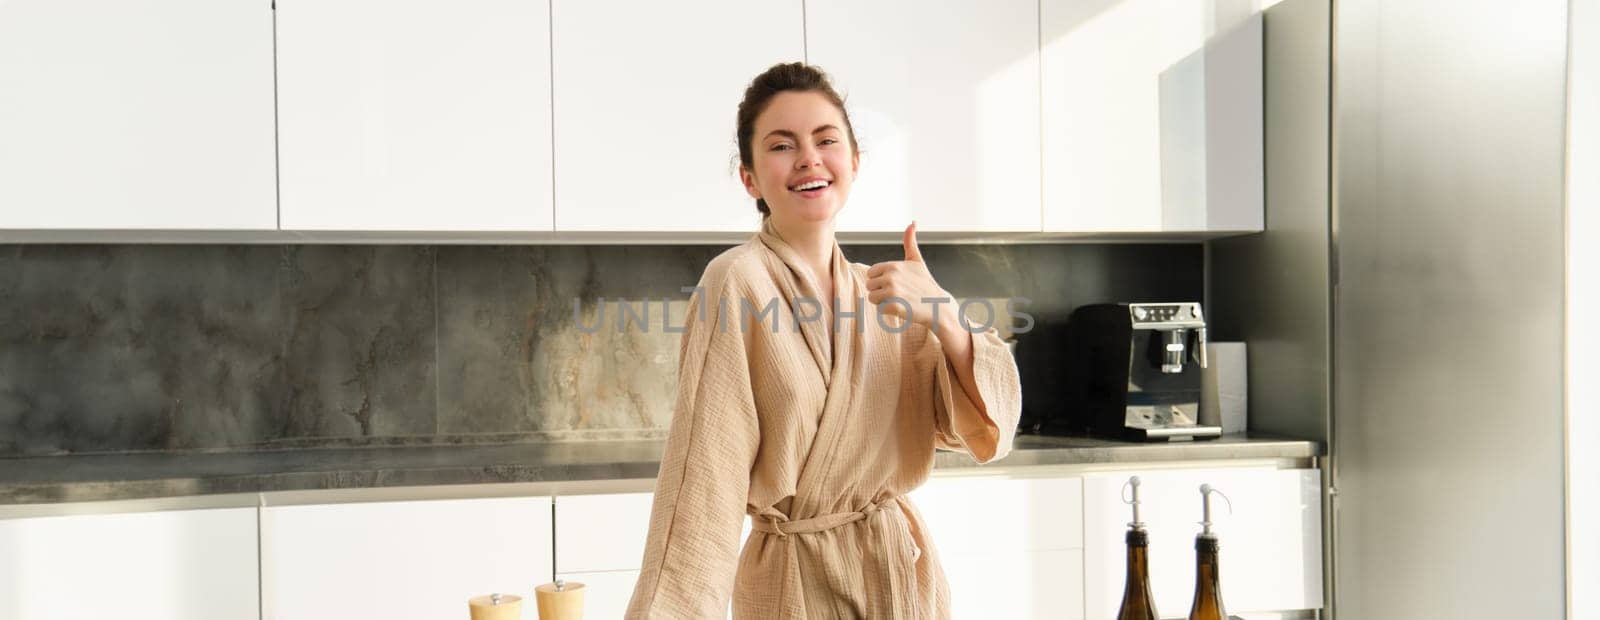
(496, 607)
(560, 600)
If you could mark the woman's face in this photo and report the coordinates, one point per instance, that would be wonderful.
(801, 161)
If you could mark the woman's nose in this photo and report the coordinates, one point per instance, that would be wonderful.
(809, 158)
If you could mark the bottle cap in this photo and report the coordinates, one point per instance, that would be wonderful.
(1134, 501)
(1205, 508)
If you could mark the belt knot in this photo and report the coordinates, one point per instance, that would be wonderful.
(771, 524)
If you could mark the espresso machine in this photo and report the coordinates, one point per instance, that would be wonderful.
(1134, 371)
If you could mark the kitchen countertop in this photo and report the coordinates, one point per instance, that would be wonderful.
(81, 478)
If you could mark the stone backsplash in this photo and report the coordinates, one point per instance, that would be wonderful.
(125, 348)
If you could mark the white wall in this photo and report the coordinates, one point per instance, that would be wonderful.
(1583, 293)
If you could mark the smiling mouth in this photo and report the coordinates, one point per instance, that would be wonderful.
(811, 187)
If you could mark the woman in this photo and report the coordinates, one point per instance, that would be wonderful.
(812, 393)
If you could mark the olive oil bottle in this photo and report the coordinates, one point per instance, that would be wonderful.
(1137, 603)
(1207, 579)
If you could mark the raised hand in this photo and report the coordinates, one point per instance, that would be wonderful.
(906, 289)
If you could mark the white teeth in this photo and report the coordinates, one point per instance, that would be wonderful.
(812, 185)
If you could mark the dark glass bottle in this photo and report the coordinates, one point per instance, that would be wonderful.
(1207, 581)
(1207, 577)
(1137, 603)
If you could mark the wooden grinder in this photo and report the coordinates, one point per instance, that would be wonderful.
(496, 607)
(560, 600)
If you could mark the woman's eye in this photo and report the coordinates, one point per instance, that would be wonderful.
(780, 147)
(827, 141)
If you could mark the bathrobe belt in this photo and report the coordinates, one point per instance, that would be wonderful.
(900, 580)
(771, 525)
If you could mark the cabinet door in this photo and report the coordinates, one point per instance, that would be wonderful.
(1271, 542)
(601, 532)
(605, 593)
(136, 115)
(645, 100)
(177, 565)
(414, 559)
(1152, 116)
(600, 543)
(1010, 547)
(1043, 585)
(414, 116)
(598, 533)
(945, 103)
(970, 515)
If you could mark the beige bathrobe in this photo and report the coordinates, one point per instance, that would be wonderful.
(817, 433)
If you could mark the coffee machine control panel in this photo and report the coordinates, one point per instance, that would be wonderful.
(1166, 315)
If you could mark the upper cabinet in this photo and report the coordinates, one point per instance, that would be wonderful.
(414, 116)
(1152, 116)
(136, 115)
(945, 104)
(646, 95)
(613, 120)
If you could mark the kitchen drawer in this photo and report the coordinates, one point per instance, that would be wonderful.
(1009, 514)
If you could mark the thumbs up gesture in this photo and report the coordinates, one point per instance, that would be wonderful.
(904, 288)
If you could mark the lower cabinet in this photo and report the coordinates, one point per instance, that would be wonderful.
(606, 593)
(173, 565)
(600, 543)
(1011, 547)
(1270, 539)
(402, 560)
(1016, 584)
(1014, 543)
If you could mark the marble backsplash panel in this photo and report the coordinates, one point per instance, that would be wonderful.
(116, 348)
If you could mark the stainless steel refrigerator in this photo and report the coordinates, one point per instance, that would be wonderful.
(1406, 303)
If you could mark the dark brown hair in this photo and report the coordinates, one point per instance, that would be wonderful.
(784, 77)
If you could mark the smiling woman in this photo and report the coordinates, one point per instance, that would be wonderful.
(815, 433)
(809, 156)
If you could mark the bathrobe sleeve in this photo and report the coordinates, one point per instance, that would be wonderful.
(702, 489)
(960, 421)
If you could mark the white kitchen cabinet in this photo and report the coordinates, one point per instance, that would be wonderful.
(1021, 585)
(646, 95)
(136, 115)
(600, 542)
(1152, 118)
(175, 565)
(1032, 514)
(400, 560)
(1010, 547)
(945, 103)
(414, 116)
(1270, 543)
(606, 593)
(605, 532)
(601, 532)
